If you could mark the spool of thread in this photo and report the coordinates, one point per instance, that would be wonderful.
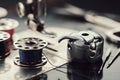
(8, 25)
(11, 32)
(30, 50)
(4, 47)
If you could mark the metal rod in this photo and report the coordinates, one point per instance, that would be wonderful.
(108, 53)
(114, 58)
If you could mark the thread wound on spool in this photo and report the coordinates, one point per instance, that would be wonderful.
(30, 51)
(30, 57)
(4, 46)
(8, 25)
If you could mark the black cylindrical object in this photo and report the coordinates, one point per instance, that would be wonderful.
(30, 50)
(4, 46)
(85, 46)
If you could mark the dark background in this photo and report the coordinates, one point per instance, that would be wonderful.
(110, 6)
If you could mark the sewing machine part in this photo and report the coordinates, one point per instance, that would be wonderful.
(30, 9)
(84, 46)
(3, 12)
(34, 23)
(23, 9)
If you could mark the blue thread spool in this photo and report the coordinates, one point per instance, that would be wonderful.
(30, 57)
(30, 50)
(4, 46)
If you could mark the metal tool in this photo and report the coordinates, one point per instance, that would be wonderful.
(108, 54)
(89, 16)
(114, 58)
(110, 27)
(35, 9)
(85, 46)
(29, 9)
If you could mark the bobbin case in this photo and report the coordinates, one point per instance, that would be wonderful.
(84, 46)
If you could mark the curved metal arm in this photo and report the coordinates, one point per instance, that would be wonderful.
(68, 37)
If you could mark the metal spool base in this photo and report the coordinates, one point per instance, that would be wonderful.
(38, 65)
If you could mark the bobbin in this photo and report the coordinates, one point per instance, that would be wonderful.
(4, 47)
(30, 52)
(8, 25)
(3, 12)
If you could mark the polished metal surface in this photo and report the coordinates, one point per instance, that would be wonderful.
(9, 70)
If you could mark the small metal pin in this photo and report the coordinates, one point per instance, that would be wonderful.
(52, 49)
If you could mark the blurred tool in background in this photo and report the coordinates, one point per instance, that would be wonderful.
(110, 6)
